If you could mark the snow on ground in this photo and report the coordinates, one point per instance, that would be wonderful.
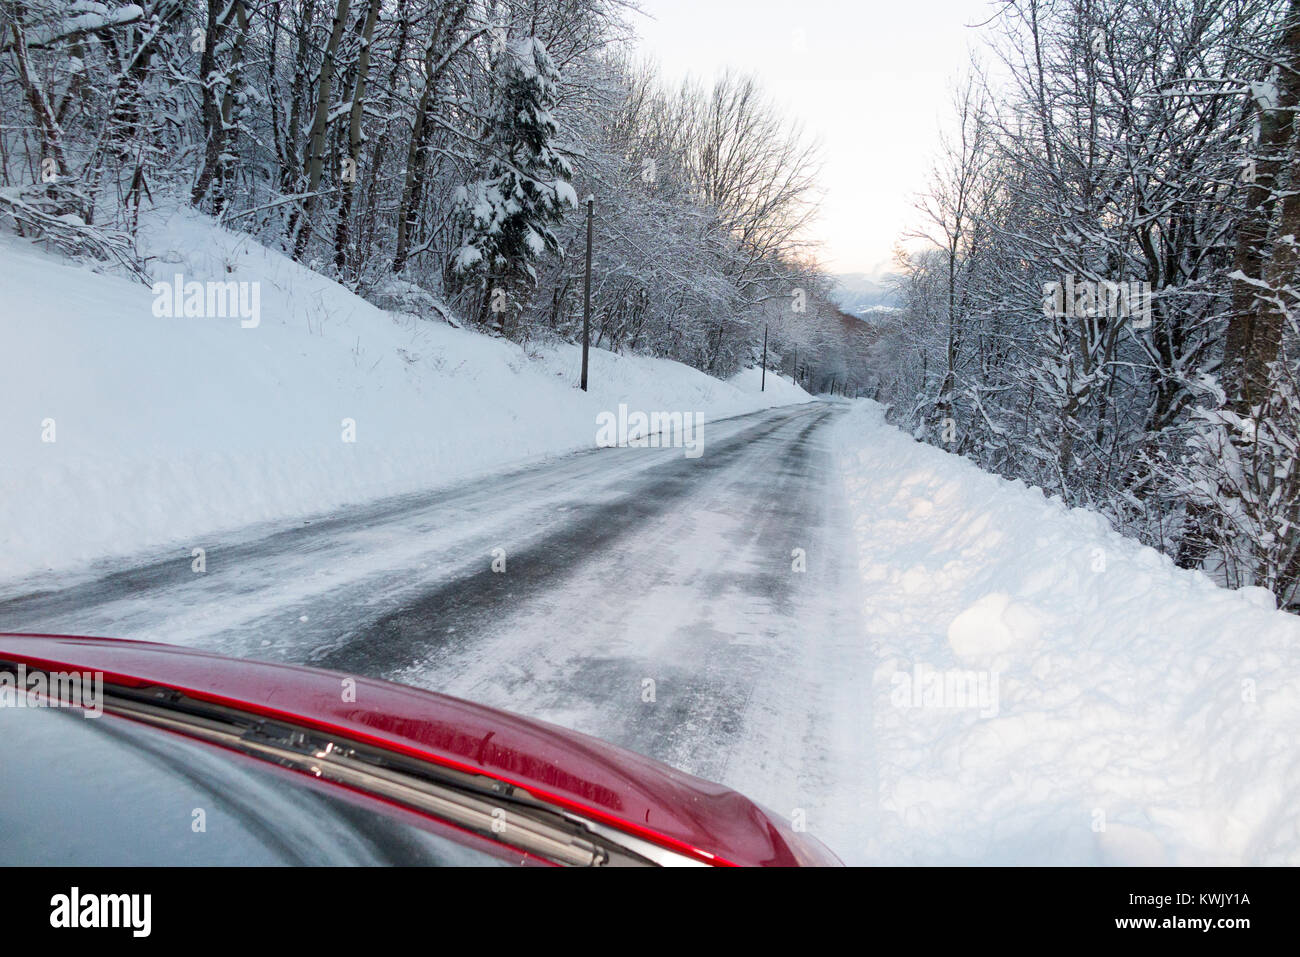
(1093, 703)
(779, 390)
(165, 429)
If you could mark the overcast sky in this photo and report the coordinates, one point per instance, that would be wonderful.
(870, 78)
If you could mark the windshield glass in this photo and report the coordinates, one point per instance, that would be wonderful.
(108, 791)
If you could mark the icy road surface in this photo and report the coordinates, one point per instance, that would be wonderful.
(650, 599)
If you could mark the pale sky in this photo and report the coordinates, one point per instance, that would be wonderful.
(870, 79)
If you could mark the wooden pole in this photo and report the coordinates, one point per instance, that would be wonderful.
(586, 297)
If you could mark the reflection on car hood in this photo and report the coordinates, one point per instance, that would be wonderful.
(583, 774)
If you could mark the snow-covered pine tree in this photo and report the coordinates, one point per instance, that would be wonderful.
(508, 214)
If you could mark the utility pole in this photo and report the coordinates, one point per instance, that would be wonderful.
(586, 297)
(762, 387)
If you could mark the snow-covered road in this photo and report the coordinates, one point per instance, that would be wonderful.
(777, 614)
(698, 610)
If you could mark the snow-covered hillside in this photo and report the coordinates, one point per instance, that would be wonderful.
(1048, 691)
(125, 430)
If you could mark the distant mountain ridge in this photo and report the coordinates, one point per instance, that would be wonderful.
(858, 292)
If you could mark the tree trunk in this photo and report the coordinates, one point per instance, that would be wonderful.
(1276, 121)
(417, 155)
(354, 138)
(51, 133)
(316, 143)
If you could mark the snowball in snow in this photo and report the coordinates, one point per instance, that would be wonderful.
(992, 625)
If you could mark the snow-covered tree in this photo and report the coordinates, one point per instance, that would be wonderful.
(417, 156)
(509, 213)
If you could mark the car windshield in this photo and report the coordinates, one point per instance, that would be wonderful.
(110, 791)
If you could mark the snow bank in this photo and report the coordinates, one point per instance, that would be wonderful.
(127, 431)
(778, 390)
(1048, 691)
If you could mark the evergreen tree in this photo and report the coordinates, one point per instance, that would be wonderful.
(508, 214)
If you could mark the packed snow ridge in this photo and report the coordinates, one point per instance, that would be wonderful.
(1047, 691)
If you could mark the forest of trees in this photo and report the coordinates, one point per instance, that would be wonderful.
(1103, 145)
(434, 156)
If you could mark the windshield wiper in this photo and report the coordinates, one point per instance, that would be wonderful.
(484, 805)
(502, 812)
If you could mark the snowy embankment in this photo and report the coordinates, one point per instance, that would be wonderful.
(125, 431)
(1048, 691)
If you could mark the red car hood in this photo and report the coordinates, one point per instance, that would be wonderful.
(609, 784)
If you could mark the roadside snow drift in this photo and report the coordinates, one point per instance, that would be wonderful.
(129, 427)
(1050, 692)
